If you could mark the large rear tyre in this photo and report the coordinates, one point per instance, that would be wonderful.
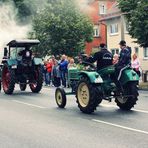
(130, 97)
(23, 87)
(8, 80)
(87, 97)
(60, 97)
(36, 86)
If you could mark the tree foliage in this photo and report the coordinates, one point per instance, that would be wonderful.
(136, 12)
(61, 28)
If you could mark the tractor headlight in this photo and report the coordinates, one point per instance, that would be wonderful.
(14, 66)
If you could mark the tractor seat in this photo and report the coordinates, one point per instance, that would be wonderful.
(107, 70)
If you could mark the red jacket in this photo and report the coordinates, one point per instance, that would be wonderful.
(49, 67)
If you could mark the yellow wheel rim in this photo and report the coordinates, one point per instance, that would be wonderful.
(83, 94)
(59, 97)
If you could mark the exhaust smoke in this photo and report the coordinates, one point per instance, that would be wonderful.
(9, 28)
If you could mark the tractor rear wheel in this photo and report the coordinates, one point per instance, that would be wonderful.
(37, 85)
(87, 97)
(8, 80)
(129, 98)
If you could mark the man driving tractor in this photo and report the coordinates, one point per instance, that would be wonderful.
(104, 58)
(26, 54)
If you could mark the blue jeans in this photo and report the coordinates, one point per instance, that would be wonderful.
(63, 78)
(48, 78)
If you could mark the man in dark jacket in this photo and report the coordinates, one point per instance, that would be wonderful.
(123, 63)
(124, 58)
(26, 54)
(104, 57)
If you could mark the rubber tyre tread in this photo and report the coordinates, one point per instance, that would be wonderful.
(131, 89)
(39, 82)
(64, 99)
(11, 87)
(93, 102)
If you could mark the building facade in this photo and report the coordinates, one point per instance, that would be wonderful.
(97, 9)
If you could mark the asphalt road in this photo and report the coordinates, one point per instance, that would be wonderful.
(30, 120)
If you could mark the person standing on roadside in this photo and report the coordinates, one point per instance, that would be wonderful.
(63, 69)
(55, 74)
(136, 64)
(49, 69)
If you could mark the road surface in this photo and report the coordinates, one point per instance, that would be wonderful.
(30, 120)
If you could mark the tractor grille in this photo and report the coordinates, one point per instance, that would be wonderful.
(74, 75)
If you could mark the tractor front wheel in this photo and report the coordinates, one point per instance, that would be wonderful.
(8, 80)
(60, 97)
(36, 86)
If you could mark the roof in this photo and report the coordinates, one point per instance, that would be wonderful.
(113, 12)
(23, 43)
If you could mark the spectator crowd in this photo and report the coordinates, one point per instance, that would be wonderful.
(55, 71)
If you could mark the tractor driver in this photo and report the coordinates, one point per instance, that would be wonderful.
(103, 57)
(26, 54)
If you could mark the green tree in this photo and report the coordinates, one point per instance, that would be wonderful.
(61, 28)
(136, 12)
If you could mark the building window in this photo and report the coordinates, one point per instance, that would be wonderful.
(113, 28)
(115, 51)
(146, 53)
(126, 26)
(136, 50)
(96, 31)
(102, 9)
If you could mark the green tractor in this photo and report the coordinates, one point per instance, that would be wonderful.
(91, 87)
(16, 69)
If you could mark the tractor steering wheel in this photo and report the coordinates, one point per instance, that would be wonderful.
(92, 66)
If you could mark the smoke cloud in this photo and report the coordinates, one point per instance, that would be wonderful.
(9, 28)
(84, 6)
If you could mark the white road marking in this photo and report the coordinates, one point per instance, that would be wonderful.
(33, 105)
(137, 110)
(44, 88)
(120, 126)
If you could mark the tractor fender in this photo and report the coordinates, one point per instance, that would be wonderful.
(37, 61)
(128, 75)
(12, 63)
(94, 77)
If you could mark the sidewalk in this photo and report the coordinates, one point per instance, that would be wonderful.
(143, 86)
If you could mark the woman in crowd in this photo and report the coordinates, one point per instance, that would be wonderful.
(71, 63)
(48, 73)
(136, 65)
